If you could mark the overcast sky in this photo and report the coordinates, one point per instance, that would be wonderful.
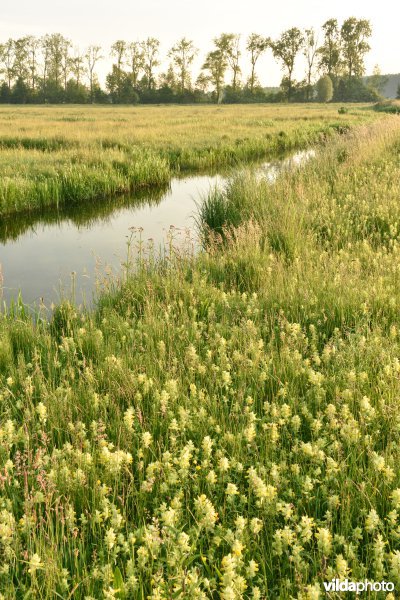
(102, 22)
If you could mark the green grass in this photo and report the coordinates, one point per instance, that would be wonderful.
(63, 155)
(226, 425)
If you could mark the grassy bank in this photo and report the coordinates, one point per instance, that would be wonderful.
(52, 156)
(226, 426)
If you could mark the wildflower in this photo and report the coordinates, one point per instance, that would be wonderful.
(250, 433)
(305, 528)
(252, 569)
(147, 439)
(223, 464)
(211, 477)
(324, 538)
(42, 412)
(396, 498)
(207, 445)
(256, 593)
(35, 563)
(264, 492)
(231, 489)
(256, 525)
(205, 512)
(110, 538)
(129, 418)
(226, 377)
(372, 521)
(237, 548)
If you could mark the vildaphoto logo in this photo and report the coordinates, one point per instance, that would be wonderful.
(337, 585)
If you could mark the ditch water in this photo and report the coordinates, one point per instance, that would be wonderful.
(67, 253)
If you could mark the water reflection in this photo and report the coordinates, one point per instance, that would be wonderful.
(80, 215)
(38, 252)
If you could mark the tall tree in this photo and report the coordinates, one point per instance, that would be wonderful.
(66, 61)
(92, 57)
(310, 53)
(182, 56)
(150, 48)
(55, 51)
(216, 64)
(78, 66)
(286, 49)
(256, 46)
(33, 47)
(46, 53)
(136, 61)
(355, 34)
(21, 60)
(7, 55)
(233, 55)
(330, 51)
(118, 50)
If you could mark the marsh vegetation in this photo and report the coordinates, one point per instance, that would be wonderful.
(224, 425)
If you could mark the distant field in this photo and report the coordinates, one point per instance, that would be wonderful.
(62, 154)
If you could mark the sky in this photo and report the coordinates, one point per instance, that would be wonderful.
(102, 22)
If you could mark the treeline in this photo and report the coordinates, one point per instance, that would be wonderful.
(51, 70)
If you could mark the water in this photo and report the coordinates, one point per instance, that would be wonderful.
(64, 253)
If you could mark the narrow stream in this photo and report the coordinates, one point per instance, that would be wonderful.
(64, 253)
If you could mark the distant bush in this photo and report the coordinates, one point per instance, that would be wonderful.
(388, 106)
(325, 89)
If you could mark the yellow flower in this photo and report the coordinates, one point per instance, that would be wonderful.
(35, 564)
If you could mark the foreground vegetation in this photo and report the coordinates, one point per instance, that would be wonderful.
(222, 426)
(51, 156)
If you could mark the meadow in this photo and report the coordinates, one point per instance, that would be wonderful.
(52, 156)
(223, 425)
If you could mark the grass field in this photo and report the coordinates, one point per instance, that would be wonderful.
(223, 426)
(55, 155)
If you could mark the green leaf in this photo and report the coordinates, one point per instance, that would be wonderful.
(119, 583)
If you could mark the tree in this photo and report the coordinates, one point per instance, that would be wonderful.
(286, 50)
(216, 64)
(7, 55)
(325, 89)
(33, 46)
(136, 61)
(310, 53)
(58, 50)
(66, 61)
(218, 60)
(116, 77)
(256, 45)
(45, 44)
(92, 57)
(5, 93)
(398, 92)
(78, 66)
(20, 92)
(182, 56)
(354, 35)
(377, 81)
(21, 61)
(150, 48)
(330, 51)
(233, 55)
